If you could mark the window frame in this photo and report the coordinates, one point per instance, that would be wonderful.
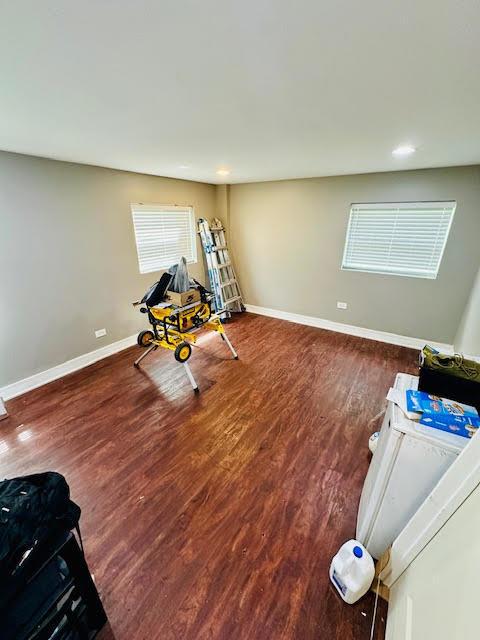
(147, 207)
(452, 204)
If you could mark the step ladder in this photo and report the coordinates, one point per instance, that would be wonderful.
(223, 281)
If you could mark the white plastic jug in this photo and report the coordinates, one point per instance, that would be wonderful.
(352, 571)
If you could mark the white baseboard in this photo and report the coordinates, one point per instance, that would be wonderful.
(361, 332)
(39, 379)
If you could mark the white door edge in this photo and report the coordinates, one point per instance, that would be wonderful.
(458, 482)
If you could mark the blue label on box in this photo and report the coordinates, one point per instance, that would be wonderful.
(459, 426)
(427, 403)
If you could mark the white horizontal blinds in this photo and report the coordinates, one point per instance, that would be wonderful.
(402, 238)
(163, 235)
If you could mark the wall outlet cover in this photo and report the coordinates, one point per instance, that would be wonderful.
(342, 305)
(100, 333)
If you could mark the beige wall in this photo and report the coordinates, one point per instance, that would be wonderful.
(222, 204)
(68, 262)
(288, 240)
(467, 340)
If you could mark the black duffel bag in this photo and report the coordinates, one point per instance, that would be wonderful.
(32, 509)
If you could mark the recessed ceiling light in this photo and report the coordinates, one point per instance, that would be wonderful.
(404, 150)
(223, 172)
(184, 166)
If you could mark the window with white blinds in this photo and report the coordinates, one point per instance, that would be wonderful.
(402, 238)
(163, 235)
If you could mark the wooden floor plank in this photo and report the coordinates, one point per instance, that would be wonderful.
(217, 515)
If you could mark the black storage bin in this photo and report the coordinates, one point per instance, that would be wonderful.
(56, 598)
(444, 385)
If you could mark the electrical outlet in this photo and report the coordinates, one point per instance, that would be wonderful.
(100, 333)
(342, 305)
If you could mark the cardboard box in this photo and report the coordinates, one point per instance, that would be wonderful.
(182, 299)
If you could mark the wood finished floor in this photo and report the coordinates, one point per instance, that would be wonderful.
(216, 516)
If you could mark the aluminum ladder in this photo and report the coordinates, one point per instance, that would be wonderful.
(223, 281)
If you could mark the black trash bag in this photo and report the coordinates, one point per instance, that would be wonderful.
(32, 508)
(156, 294)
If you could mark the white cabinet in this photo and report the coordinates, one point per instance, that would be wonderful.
(409, 460)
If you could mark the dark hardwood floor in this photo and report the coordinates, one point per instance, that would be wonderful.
(216, 516)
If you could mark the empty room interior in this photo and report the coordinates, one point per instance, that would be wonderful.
(240, 320)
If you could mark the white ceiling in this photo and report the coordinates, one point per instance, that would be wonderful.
(268, 88)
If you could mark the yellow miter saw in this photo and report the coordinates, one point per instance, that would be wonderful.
(174, 317)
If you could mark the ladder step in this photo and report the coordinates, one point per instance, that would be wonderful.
(215, 244)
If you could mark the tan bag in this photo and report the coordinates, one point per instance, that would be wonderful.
(456, 365)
